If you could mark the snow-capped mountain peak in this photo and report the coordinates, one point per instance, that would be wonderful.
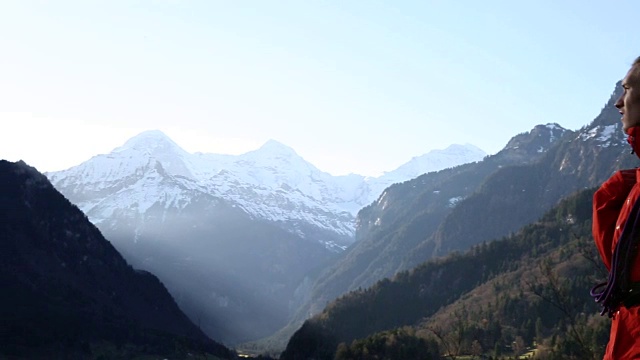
(151, 141)
(154, 144)
(434, 160)
(275, 148)
(275, 154)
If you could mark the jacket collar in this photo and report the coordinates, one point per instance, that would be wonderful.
(633, 138)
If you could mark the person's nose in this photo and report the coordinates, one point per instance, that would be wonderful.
(619, 103)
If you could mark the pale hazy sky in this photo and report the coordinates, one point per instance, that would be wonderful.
(352, 86)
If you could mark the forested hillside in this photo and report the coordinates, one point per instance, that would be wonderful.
(502, 298)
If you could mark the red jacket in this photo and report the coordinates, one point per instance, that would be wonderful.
(611, 206)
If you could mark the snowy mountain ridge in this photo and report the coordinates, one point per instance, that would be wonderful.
(272, 183)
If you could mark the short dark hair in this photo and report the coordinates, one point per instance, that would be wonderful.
(635, 69)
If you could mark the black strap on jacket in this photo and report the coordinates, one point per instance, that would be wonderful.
(618, 289)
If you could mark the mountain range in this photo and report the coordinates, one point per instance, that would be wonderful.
(399, 230)
(266, 244)
(409, 237)
(236, 239)
(272, 183)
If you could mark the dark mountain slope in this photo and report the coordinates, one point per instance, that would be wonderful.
(515, 196)
(67, 290)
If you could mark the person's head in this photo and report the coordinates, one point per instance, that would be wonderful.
(629, 101)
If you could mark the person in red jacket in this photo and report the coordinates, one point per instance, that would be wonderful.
(616, 231)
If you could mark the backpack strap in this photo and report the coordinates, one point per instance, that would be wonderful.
(618, 289)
